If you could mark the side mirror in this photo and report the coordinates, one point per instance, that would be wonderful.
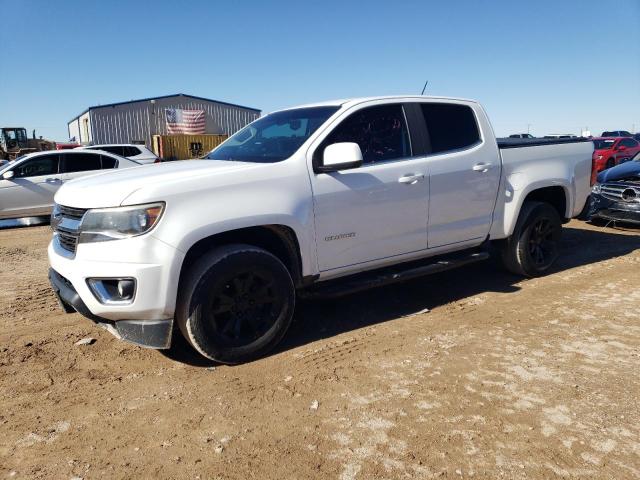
(340, 156)
(7, 175)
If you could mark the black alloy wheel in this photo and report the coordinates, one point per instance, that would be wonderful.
(243, 307)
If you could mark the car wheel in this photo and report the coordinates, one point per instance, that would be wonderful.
(236, 303)
(610, 163)
(533, 246)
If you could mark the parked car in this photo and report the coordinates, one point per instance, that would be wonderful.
(616, 195)
(617, 133)
(611, 151)
(28, 184)
(139, 153)
(560, 135)
(316, 200)
(636, 136)
(521, 135)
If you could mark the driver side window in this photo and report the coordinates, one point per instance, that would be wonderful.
(38, 166)
(380, 131)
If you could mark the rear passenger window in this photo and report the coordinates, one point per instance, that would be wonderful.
(80, 162)
(381, 132)
(114, 150)
(451, 126)
(130, 151)
(108, 162)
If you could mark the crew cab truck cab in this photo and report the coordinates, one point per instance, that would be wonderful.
(319, 198)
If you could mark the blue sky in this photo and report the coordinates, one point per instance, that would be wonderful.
(556, 65)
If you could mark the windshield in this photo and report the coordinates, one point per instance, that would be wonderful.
(274, 137)
(602, 144)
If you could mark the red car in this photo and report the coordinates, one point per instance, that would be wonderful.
(612, 151)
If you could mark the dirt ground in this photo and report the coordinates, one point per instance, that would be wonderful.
(499, 378)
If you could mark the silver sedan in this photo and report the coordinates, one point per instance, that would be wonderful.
(28, 184)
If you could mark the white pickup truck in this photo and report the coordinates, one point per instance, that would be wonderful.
(316, 200)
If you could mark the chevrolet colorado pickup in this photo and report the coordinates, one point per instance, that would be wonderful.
(314, 200)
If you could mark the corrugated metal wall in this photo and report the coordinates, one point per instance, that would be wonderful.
(139, 121)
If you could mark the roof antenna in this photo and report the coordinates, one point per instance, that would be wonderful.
(425, 87)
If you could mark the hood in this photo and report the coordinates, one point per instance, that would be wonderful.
(624, 171)
(110, 189)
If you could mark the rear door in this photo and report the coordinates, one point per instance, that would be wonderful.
(464, 173)
(30, 192)
(79, 164)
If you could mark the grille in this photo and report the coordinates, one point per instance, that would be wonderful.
(67, 237)
(68, 241)
(75, 213)
(614, 191)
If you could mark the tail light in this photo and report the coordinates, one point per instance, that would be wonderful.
(594, 173)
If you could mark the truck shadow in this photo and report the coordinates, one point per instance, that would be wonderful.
(324, 318)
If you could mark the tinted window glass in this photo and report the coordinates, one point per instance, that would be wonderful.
(380, 131)
(130, 151)
(80, 162)
(115, 150)
(629, 142)
(108, 162)
(451, 126)
(38, 166)
(273, 138)
(603, 144)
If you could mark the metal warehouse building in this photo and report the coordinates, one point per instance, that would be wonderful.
(137, 121)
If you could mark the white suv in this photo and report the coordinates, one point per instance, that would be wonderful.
(139, 153)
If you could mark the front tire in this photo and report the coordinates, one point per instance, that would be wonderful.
(533, 247)
(236, 303)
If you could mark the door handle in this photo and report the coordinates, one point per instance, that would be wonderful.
(481, 167)
(411, 178)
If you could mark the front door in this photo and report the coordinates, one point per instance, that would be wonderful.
(380, 209)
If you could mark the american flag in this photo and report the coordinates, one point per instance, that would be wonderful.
(188, 122)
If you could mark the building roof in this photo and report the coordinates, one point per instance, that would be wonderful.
(158, 98)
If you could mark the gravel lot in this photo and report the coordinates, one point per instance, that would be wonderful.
(500, 377)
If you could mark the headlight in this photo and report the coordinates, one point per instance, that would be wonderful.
(595, 188)
(101, 225)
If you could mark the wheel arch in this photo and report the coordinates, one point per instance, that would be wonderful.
(279, 240)
(557, 195)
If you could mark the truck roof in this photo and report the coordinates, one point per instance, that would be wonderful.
(348, 102)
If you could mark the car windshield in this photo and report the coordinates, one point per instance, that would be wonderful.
(274, 137)
(602, 144)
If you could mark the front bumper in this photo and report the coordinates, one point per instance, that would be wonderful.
(621, 211)
(148, 319)
(146, 333)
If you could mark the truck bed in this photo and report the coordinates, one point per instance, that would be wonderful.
(532, 142)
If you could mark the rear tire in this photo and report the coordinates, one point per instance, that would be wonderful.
(610, 164)
(236, 303)
(533, 246)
